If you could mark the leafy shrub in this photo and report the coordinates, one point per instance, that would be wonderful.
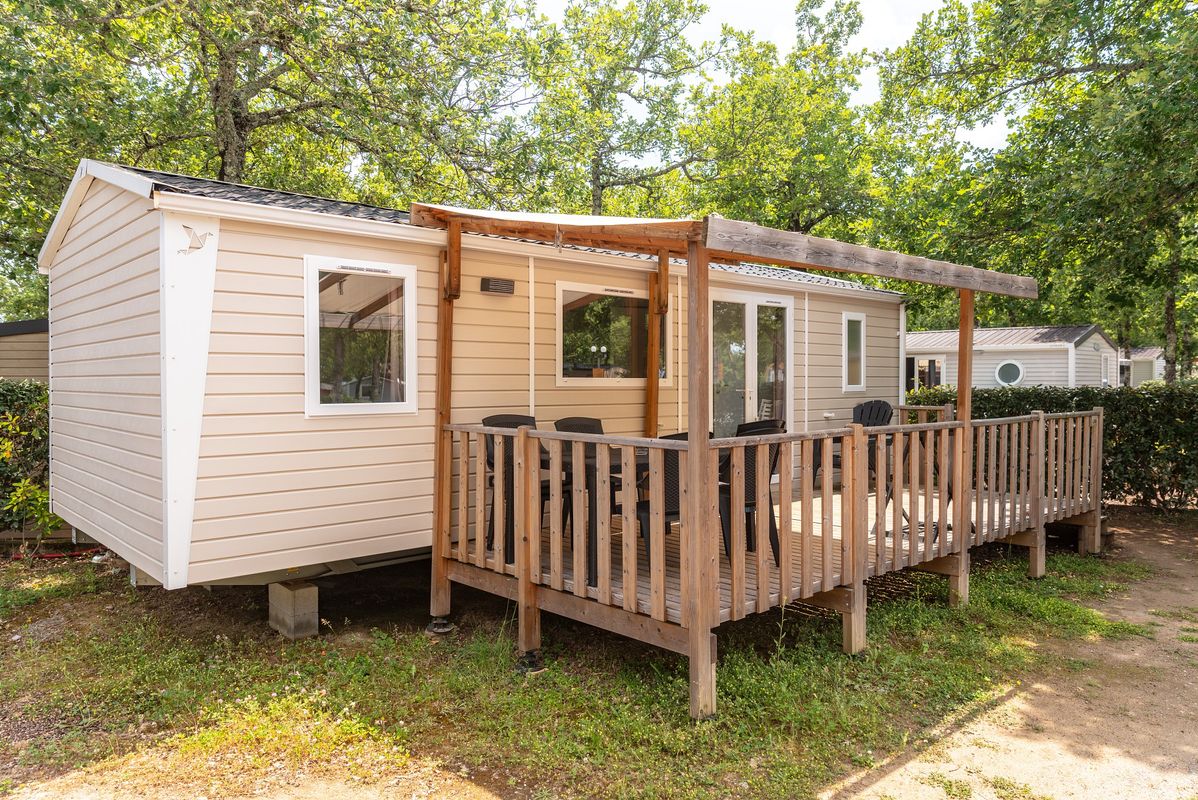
(1150, 433)
(25, 456)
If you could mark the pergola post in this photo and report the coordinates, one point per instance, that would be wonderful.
(451, 288)
(659, 302)
(958, 591)
(701, 551)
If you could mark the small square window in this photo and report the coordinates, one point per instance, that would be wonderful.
(603, 333)
(360, 337)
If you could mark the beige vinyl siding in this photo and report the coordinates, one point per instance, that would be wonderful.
(1144, 369)
(1046, 367)
(277, 489)
(25, 355)
(105, 427)
(1089, 362)
(826, 347)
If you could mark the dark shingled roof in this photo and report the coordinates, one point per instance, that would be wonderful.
(221, 190)
(1147, 351)
(20, 326)
(998, 337)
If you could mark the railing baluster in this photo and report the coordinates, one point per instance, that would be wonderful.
(847, 499)
(578, 512)
(556, 509)
(880, 469)
(806, 511)
(480, 500)
(499, 503)
(897, 560)
(602, 501)
(785, 522)
(657, 534)
(763, 513)
(942, 492)
(1003, 475)
(991, 483)
(535, 517)
(929, 485)
(979, 469)
(684, 531)
(915, 463)
(628, 525)
(1013, 480)
(736, 513)
(463, 496)
(825, 528)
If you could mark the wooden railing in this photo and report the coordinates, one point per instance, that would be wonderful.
(918, 415)
(602, 519)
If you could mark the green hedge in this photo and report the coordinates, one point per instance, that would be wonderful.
(1150, 434)
(24, 454)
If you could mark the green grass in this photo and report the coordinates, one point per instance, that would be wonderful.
(22, 584)
(1005, 789)
(1188, 614)
(608, 717)
(953, 788)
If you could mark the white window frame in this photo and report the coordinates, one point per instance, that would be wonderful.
(1003, 363)
(313, 266)
(845, 318)
(1105, 378)
(614, 291)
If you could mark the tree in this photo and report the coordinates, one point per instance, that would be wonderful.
(779, 143)
(610, 102)
(362, 99)
(1101, 170)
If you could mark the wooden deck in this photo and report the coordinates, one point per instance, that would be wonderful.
(850, 505)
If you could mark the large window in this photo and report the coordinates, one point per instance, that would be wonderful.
(360, 341)
(603, 334)
(854, 351)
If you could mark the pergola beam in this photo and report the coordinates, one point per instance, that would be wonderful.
(729, 238)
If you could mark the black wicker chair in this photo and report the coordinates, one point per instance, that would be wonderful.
(763, 427)
(509, 484)
(671, 484)
(582, 425)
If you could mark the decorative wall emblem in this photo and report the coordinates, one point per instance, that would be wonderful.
(196, 241)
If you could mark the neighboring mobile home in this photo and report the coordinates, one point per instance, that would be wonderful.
(1140, 364)
(1075, 355)
(25, 349)
(242, 380)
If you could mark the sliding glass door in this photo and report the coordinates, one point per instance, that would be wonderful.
(751, 340)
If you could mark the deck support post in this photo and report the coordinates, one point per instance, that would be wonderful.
(450, 277)
(955, 567)
(1037, 545)
(855, 467)
(962, 472)
(700, 547)
(1089, 538)
(528, 506)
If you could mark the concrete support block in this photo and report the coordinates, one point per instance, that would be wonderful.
(294, 611)
(139, 578)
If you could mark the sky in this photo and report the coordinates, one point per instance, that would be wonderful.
(887, 24)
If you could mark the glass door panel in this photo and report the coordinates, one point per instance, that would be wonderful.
(773, 356)
(729, 352)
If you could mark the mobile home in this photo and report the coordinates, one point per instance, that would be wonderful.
(1075, 355)
(1140, 364)
(242, 380)
(25, 349)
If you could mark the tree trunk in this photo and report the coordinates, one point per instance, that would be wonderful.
(596, 185)
(1172, 276)
(230, 120)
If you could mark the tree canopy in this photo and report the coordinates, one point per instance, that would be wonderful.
(617, 108)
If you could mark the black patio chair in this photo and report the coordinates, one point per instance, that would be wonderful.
(582, 425)
(764, 427)
(871, 414)
(509, 484)
(671, 485)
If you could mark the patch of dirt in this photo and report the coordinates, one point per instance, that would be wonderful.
(423, 780)
(1122, 724)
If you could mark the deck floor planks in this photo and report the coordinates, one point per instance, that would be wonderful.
(908, 547)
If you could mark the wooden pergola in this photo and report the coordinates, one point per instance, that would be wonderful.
(700, 242)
